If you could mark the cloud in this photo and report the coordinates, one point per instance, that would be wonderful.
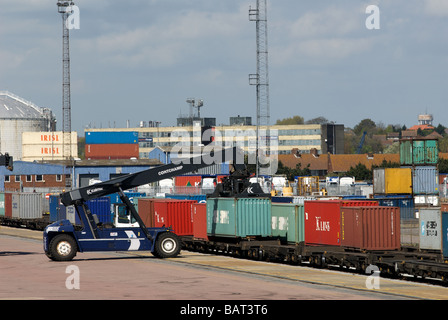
(436, 7)
(172, 40)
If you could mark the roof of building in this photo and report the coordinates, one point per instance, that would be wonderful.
(12, 106)
(336, 162)
(422, 127)
(105, 163)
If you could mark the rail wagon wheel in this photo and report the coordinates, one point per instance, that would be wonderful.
(62, 248)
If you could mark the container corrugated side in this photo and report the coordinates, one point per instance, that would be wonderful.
(430, 220)
(445, 233)
(425, 180)
(418, 152)
(199, 213)
(124, 137)
(404, 202)
(145, 208)
(221, 217)
(238, 217)
(27, 205)
(175, 214)
(111, 151)
(322, 220)
(195, 197)
(101, 207)
(8, 204)
(253, 217)
(392, 181)
(288, 222)
(370, 227)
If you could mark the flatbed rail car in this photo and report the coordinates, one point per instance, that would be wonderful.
(390, 263)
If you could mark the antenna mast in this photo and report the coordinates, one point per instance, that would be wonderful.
(261, 78)
(65, 11)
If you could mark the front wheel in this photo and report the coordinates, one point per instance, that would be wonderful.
(167, 245)
(62, 248)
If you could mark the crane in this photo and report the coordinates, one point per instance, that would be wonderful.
(62, 240)
(361, 143)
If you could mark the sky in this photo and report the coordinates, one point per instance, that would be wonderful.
(140, 60)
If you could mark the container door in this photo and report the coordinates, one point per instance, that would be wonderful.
(430, 229)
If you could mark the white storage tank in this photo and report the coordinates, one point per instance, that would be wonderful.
(17, 116)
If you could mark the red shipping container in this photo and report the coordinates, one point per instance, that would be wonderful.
(199, 212)
(8, 205)
(444, 207)
(167, 213)
(188, 181)
(146, 211)
(111, 151)
(175, 214)
(322, 220)
(370, 228)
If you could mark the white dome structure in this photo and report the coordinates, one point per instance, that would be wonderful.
(17, 116)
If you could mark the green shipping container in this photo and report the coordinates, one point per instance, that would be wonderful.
(419, 152)
(288, 222)
(238, 217)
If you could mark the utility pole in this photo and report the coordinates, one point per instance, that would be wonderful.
(261, 78)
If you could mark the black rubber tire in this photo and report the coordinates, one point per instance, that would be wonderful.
(62, 247)
(167, 245)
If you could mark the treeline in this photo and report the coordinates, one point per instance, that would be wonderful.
(373, 143)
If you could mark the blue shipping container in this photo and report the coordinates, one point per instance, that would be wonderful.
(125, 137)
(281, 199)
(100, 207)
(54, 208)
(405, 203)
(196, 197)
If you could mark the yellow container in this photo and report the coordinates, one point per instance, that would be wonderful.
(392, 181)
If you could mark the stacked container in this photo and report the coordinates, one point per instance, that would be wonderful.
(111, 145)
(419, 152)
(238, 217)
(392, 181)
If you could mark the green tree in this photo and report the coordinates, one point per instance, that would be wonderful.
(291, 173)
(365, 125)
(360, 172)
(442, 165)
(290, 121)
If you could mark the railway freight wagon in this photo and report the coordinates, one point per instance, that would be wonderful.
(22, 209)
